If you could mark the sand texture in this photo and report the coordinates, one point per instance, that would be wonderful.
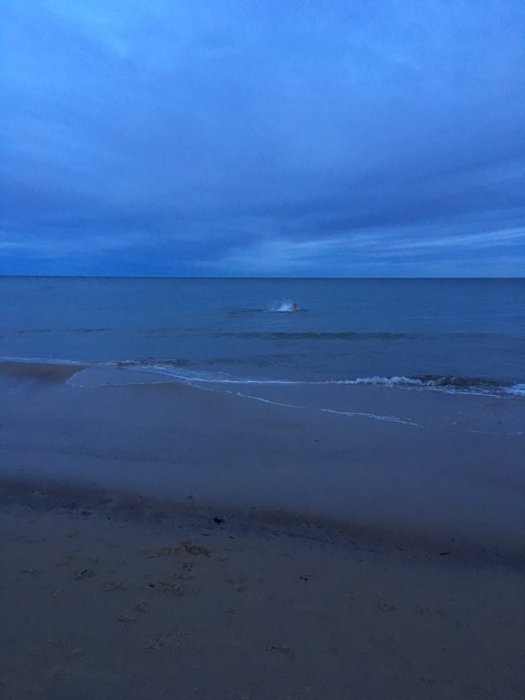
(96, 606)
(168, 542)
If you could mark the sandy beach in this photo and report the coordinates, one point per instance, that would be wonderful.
(161, 541)
(417, 466)
(103, 605)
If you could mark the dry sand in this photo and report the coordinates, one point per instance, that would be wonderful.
(98, 605)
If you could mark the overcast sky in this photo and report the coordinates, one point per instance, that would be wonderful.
(263, 138)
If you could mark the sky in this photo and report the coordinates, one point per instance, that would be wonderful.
(305, 138)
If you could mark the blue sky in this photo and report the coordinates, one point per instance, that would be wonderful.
(262, 138)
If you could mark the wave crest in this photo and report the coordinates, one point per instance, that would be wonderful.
(450, 383)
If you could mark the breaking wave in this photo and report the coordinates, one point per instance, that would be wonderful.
(181, 370)
(184, 370)
(452, 384)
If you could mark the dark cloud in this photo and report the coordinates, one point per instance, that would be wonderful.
(262, 138)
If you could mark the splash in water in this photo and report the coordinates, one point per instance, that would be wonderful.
(285, 307)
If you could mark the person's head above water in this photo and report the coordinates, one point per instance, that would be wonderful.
(296, 307)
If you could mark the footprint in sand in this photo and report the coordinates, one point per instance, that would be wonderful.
(65, 561)
(195, 549)
(279, 648)
(385, 605)
(127, 618)
(75, 654)
(82, 574)
(431, 612)
(238, 585)
(173, 588)
(115, 586)
(187, 547)
(169, 641)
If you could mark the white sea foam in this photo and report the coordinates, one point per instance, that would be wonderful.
(40, 361)
(284, 306)
(350, 414)
(450, 385)
(177, 370)
(385, 381)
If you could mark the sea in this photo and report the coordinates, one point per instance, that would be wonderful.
(444, 335)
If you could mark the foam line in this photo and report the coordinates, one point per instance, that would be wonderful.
(351, 414)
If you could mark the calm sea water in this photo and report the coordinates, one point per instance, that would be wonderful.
(454, 335)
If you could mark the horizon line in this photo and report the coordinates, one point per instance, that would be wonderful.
(262, 277)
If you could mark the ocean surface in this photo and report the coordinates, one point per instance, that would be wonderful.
(464, 335)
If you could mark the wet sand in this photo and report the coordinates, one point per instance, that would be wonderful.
(446, 468)
(161, 542)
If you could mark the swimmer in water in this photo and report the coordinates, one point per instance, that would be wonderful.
(296, 307)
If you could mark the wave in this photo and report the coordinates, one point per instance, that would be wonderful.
(6, 360)
(361, 335)
(36, 331)
(448, 383)
(516, 390)
(184, 370)
(150, 363)
(318, 335)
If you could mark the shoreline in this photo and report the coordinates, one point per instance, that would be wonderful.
(457, 474)
(148, 371)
